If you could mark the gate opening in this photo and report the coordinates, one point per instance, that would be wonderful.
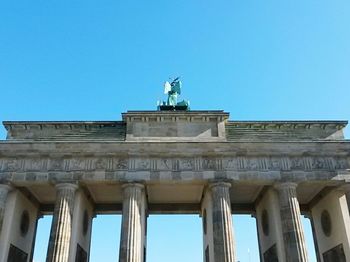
(246, 236)
(309, 239)
(42, 238)
(105, 238)
(174, 238)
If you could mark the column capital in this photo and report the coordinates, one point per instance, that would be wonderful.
(133, 184)
(71, 186)
(219, 184)
(284, 185)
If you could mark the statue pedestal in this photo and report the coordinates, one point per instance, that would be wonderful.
(174, 108)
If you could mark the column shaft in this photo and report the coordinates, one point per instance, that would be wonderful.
(293, 234)
(4, 190)
(347, 195)
(223, 239)
(133, 224)
(61, 227)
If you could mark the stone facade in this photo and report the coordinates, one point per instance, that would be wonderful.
(195, 162)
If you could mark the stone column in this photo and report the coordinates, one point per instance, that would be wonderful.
(4, 190)
(61, 227)
(347, 195)
(133, 223)
(292, 230)
(223, 239)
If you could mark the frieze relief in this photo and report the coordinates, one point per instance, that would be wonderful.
(101, 163)
(56, 164)
(164, 164)
(77, 164)
(341, 163)
(36, 164)
(142, 164)
(120, 164)
(209, 163)
(12, 165)
(186, 164)
(174, 164)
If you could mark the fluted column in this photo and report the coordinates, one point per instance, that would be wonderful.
(223, 239)
(293, 234)
(133, 223)
(4, 190)
(61, 227)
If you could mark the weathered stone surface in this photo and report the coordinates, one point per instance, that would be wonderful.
(284, 130)
(223, 239)
(175, 126)
(62, 131)
(61, 228)
(176, 156)
(44, 168)
(293, 234)
(133, 223)
(4, 190)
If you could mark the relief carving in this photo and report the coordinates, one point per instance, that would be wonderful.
(77, 164)
(181, 164)
(319, 163)
(164, 164)
(341, 163)
(252, 164)
(56, 164)
(36, 164)
(230, 164)
(101, 163)
(274, 163)
(120, 164)
(186, 164)
(12, 165)
(297, 163)
(142, 164)
(208, 164)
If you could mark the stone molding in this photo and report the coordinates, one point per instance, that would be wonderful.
(46, 164)
(133, 185)
(66, 186)
(169, 116)
(219, 184)
(322, 124)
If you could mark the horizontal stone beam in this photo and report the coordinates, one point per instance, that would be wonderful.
(105, 148)
(154, 209)
(200, 163)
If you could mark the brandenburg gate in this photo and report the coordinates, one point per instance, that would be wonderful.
(176, 162)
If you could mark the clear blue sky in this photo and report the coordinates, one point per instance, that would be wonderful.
(92, 60)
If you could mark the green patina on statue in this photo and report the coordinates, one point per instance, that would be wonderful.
(173, 90)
